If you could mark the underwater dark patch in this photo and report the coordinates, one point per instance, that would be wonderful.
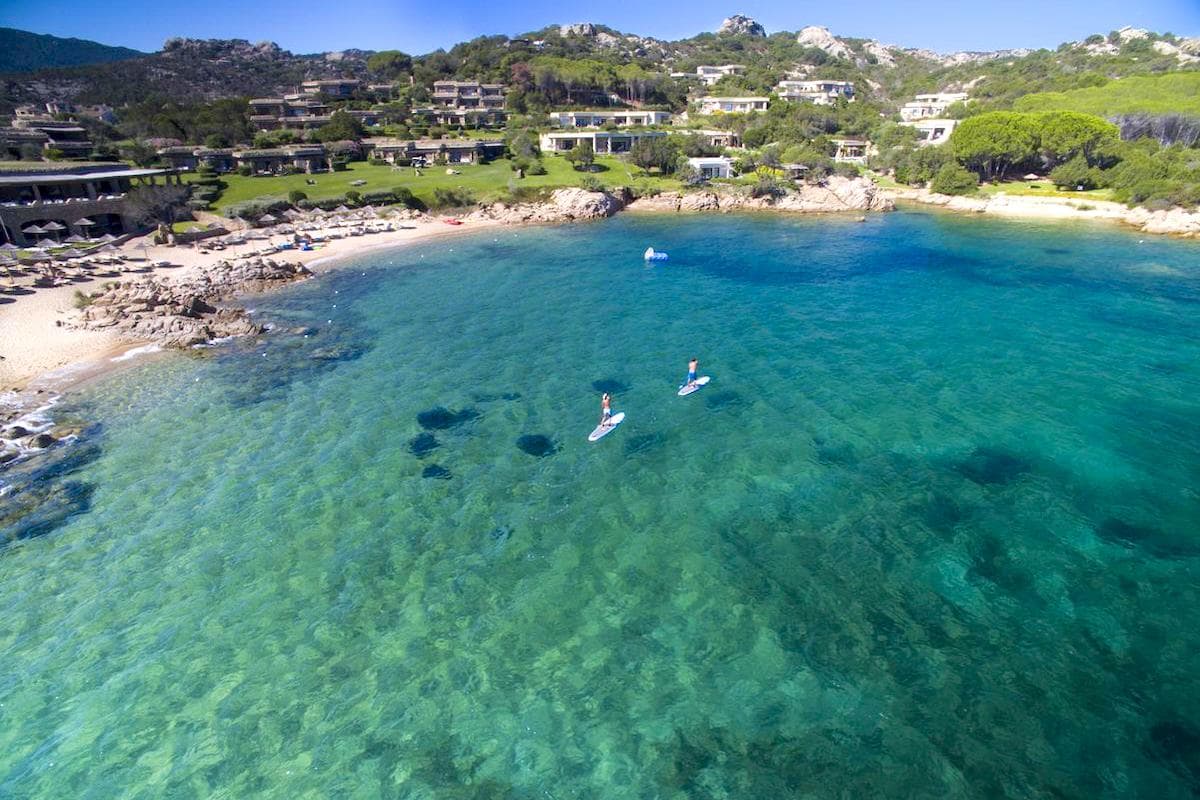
(942, 514)
(644, 442)
(440, 419)
(834, 454)
(992, 466)
(423, 444)
(435, 471)
(43, 509)
(535, 444)
(1150, 540)
(491, 398)
(1176, 745)
(991, 562)
(610, 385)
(722, 400)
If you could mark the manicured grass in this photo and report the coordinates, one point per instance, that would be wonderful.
(486, 181)
(1041, 189)
(1176, 93)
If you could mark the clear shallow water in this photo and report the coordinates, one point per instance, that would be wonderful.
(930, 532)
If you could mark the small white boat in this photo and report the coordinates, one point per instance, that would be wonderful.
(653, 255)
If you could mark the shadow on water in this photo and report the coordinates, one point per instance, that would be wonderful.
(645, 443)
(726, 400)
(610, 386)
(40, 498)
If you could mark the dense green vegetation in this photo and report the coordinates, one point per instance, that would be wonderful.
(1176, 93)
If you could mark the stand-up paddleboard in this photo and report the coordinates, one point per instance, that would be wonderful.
(603, 430)
(688, 388)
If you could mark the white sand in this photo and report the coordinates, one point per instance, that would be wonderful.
(37, 346)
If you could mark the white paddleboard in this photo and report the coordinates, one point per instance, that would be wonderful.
(603, 430)
(688, 388)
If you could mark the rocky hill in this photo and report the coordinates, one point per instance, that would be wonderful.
(21, 51)
(185, 69)
(191, 69)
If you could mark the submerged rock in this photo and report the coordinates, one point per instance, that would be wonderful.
(440, 419)
(535, 444)
(990, 466)
(423, 444)
(435, 471)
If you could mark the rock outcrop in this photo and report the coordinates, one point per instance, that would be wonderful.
(822, 39)
(741, 25)
(185, 313)
(564, 205)
(836, 194)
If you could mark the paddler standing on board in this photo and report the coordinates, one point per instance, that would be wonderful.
(605, 408)
(693, 365)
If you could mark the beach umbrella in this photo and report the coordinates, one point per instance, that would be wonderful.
(9, 247)
(108, 237)
(74, 239)
(342, 209)
(54, 226)
(84, 223)
(268, 219)
(36, 230)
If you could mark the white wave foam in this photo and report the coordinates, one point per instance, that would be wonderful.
(145, 349)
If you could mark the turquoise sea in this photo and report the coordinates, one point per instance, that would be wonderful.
(932, 531)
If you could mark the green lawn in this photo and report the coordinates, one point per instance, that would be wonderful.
(485, 181)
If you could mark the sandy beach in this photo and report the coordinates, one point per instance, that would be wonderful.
(40, 349)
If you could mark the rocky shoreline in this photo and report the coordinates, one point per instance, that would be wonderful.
(180, 314)
(1168, 222)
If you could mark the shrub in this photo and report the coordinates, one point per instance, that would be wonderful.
(353, 197)
(536, 167)
(767, 186)
(245, 171)
(406, 198)
(953, 179)
(1074, 174)
(82, 300)
(295, 196)
(846, 170)
(452, 198)
(591, 183)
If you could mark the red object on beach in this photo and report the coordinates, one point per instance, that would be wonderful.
(452, 221)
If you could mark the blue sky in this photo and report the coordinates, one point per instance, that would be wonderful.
(306, 26)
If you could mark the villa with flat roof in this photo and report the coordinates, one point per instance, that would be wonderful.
(929, 106)
(620, 117)
(299, 112)
(468, 94)
(86, 201)
(66, 136)
(933, 131)
(710, 167)
(709, 75)
(732, 105)
(429, 151)
(713, 138)
(603, 142)
(333, 88)
(817, 92)
(851, 151)
(462, 117)
(307, 158)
